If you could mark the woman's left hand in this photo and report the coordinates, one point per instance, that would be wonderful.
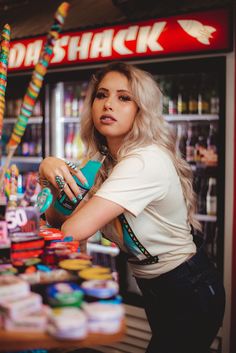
(60, 175)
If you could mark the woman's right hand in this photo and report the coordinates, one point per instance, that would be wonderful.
(51, 168)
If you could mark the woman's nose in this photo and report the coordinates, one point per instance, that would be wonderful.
(108, 104)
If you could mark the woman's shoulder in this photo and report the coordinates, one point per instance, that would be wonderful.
(152, 151)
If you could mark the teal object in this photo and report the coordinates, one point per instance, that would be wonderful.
(63, 204)
(44, 200)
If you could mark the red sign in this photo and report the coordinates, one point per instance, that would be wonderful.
(189, 33)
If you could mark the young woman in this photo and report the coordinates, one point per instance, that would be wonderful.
(143, 200)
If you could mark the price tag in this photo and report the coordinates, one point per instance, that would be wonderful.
(22, 221)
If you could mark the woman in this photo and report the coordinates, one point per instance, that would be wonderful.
(143, 200)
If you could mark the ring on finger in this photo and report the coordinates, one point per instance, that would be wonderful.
(72, 165)
(60, 182)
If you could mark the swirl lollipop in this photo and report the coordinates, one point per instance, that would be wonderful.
(4, 55)
(35, 84)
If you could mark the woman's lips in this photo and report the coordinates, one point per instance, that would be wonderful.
(107, 119)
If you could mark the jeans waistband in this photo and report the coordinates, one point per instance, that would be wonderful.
(194, 265)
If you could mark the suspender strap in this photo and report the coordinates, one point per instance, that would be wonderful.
(149, 258)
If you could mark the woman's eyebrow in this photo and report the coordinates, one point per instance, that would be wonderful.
(118, 90)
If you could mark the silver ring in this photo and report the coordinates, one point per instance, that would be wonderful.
(60, 182)
(72, 165)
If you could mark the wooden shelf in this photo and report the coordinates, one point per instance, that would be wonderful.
(16, 341)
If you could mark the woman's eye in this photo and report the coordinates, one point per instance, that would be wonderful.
(125, 98)
(100, 95)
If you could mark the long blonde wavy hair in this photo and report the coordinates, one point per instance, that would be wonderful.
(149, 128)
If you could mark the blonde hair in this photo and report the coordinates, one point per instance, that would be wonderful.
(149, 128)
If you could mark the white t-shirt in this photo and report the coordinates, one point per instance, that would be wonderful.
(146, 184)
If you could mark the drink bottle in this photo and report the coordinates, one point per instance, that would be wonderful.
(211, 199)
(63, 204)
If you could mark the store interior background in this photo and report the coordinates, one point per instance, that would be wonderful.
(30, 18)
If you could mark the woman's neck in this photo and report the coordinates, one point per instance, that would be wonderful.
(113, 147)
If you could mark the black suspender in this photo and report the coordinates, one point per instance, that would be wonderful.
(149, 258)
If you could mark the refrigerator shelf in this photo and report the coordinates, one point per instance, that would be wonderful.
(206, 218)
(191, 117)
(203, 167)
(25, 159)
(32, 120)
(70, 119)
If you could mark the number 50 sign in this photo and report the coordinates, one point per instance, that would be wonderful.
(22, 220)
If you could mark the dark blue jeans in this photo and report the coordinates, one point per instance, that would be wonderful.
(184, 307)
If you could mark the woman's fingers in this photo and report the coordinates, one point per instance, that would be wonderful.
(60, 174)
(71, 188)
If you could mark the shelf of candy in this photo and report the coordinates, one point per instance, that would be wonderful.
(47, 285)
(74, 95)
(24, 181)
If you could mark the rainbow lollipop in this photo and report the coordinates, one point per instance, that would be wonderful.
(35, 84)
(14, 172)
(4, 55)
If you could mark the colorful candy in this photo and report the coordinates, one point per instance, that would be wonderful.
(14, 172)
(4, 55)
(37, 77)
(30, 191)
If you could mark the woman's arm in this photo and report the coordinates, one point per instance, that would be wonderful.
(90, 218)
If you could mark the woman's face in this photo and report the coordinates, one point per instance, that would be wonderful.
(113, 109)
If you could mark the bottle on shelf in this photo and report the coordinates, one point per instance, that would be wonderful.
(75, 101)
(164, 85)
(172, 104)
(70, 133)
(17, 106)
(68, 97)
(203, 99)
(190, 144)
(181, 97)
(212, 139)
(37, 109)
(38, 147)
(78, 149)
(83, 92)
(211, 198)
(201, 197)
(33, 140)
(26, 139)
(63, 204)
(199, 147)
(193, 100)
(181, 139)
(214, 96)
